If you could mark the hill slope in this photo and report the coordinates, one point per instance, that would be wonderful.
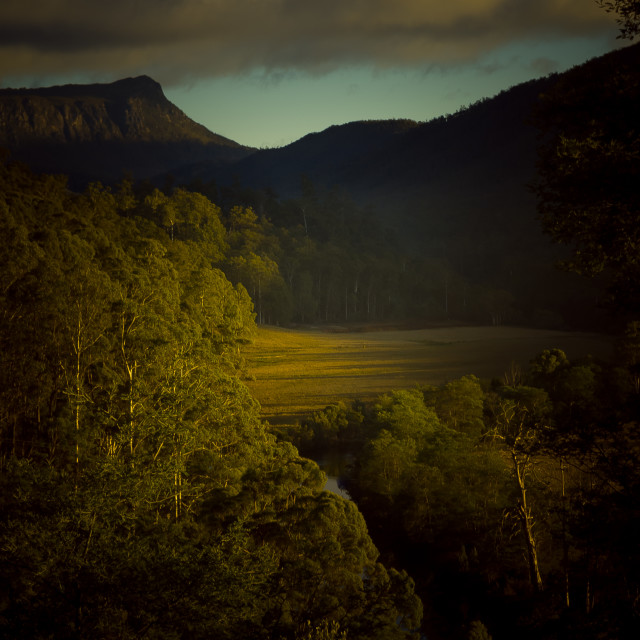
(455, 189)
(468, 170)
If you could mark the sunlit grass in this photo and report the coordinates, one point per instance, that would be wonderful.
(293, 373)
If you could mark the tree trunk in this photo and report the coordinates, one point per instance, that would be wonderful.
(565, 541)
(527, 522)
(78, 372)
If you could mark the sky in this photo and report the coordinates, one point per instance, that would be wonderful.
(267, 72)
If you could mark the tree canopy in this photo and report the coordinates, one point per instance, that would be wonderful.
(140, 491)
(628, 12)
(589, 167)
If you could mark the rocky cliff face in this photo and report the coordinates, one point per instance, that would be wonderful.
(105, 130)
(26, 119)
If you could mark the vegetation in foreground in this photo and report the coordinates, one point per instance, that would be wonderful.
(513, 503)
(141, 496)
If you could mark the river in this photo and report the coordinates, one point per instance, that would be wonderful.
(334, 464)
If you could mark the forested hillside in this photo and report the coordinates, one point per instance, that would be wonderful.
(141, 492)
(389, 221)
(141, 495)
(322, 258)
(512, 502)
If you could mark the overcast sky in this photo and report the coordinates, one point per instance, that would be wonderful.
(266, 72)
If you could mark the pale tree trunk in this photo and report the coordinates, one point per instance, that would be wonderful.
(85, 327)
(78, 391)
(565, 542)
(130, 367)
(527, 522)
(177, 493)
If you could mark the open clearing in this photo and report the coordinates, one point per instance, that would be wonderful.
(295, 372)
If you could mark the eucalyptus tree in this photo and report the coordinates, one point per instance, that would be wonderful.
(139, 489)
(628, 12)
(519, 417)
(588, 168)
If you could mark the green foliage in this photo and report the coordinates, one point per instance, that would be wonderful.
(628, 15)
(334, 263)
(460, 405)
(477, 631)
(588, 169)
(328, 570)
(547, 362)
(336, 424)
(139, 490)
(388, 463)
(550, 485)
(406, 416)
(84, 562)
(325, 631)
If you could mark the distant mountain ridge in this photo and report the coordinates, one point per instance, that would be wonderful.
(465, 173)
(453, 190)
(436, 183)
(102, 131)
(326, 156)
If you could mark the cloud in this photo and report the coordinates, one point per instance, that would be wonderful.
(178, 40)
(543, 66)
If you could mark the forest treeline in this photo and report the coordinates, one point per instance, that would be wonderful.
(512, 502)
(141, 496)
(322, 258)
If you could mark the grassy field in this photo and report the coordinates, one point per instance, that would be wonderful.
(293, 373)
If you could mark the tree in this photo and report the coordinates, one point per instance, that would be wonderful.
(406, 416)
(588, 169)
(628, 15)
(261, 276)
(164, 211)
(477, 631)
(200, 223)
(306, 303)
(139, 490)
(330, 570)
(460, 405)
(388, 463)
(88, 300)
(520, 416)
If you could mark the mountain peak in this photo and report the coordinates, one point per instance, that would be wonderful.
(100, 125)
(140, 86)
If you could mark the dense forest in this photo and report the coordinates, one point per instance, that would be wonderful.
(320, 258)
(141, 492)
(141, 495)
(512, 502)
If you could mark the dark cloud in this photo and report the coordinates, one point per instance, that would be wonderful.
(178, 39)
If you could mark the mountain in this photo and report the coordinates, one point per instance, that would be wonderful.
(326, 157)
(455, 189)
(465, 172)
(470, 165)
(103, 131)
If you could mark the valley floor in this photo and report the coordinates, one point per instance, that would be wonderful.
(295, 372)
